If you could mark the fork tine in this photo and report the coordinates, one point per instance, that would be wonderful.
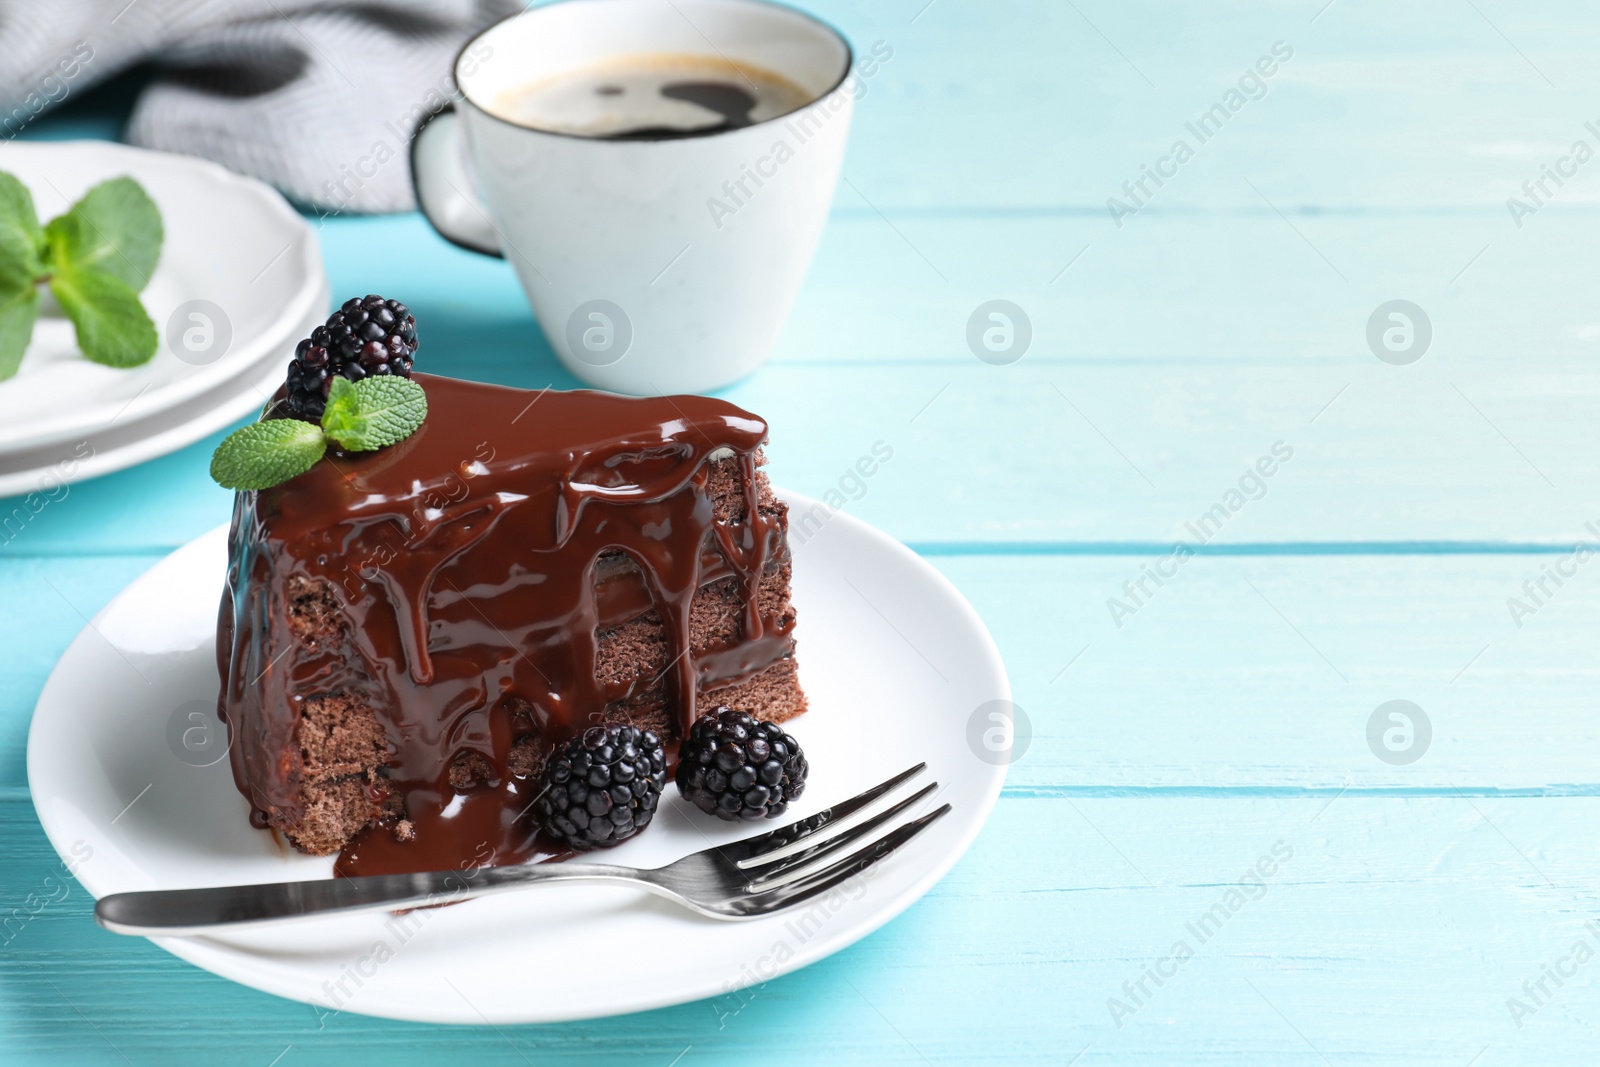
(808, 886)
(751, 847)
(766, 872)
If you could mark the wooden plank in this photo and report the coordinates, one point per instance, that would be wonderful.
(1396, 930)
(1096, 455)
(1011, 104)
(1246, 288)
(48, 603)
(1246, 674)
(1068, 458)
(1255, 674)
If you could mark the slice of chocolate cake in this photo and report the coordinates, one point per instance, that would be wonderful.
(406, 633)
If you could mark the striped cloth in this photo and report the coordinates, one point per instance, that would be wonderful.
(318, 98)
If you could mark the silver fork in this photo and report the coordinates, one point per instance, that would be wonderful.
(741, 880)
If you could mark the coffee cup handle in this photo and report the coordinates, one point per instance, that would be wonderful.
(445, 187)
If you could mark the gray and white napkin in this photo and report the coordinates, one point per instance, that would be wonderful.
(319, 99)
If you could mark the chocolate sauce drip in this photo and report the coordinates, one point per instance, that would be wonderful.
(475, 564)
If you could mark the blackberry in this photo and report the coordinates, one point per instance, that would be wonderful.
(366, 336)
(734, 766)
(601, 787)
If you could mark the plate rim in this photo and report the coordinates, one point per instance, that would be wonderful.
(309, 263)
(235, 965)
(153, 436)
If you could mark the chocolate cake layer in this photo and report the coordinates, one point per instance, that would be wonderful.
(406, 633)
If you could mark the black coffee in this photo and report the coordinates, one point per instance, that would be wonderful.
(653, 97)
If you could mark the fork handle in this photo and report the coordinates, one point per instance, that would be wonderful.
(170, 912)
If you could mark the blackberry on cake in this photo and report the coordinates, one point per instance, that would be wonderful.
(734, 766)
(367, 336)
(601, 788)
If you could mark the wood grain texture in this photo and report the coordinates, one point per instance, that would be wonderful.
(1090, 438)
(1395, 931)
(1244, 674)
(1229, 710)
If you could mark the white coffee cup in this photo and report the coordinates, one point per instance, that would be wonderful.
(654, 266)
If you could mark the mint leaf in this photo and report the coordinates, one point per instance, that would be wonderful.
(374, 412)
(21, 239)
(115, 229)
(265, 454)
(339, 413)
(21, 265)
(112, 325)
(18, 308)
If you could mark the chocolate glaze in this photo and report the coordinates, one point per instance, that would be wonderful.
(475, 563)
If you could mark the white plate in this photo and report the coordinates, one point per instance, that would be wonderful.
(127, 442)
(895, 662)
(230, 240)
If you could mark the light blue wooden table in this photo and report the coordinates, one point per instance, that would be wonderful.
(1415, 913)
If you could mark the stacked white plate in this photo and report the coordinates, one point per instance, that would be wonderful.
(239, 282)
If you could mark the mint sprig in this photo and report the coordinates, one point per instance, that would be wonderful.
(96, 258)
(361, 416)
